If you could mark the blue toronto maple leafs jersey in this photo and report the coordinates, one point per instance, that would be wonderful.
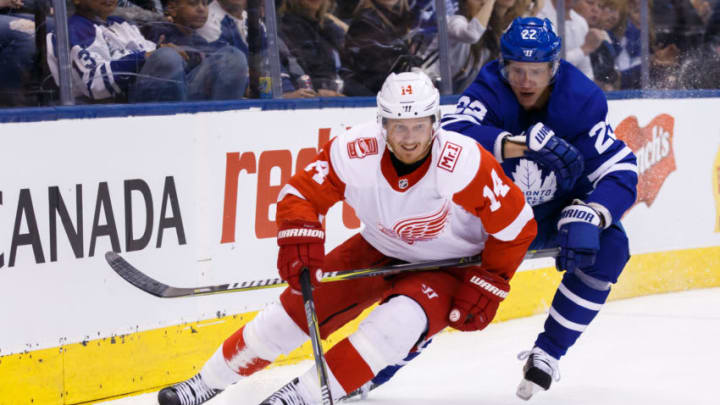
(577, 112)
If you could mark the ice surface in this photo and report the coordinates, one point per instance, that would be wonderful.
(660, 350)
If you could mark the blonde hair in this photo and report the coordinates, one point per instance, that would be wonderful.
(621, 6)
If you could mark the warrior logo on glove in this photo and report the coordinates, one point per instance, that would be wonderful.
(302, 246)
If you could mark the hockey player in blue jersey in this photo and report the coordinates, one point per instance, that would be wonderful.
(578, 177)
(545, 121)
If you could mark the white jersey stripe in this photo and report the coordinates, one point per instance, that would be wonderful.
(289, 190)
(600, 171)
(511, 231)
(617, 168)
(453, 118)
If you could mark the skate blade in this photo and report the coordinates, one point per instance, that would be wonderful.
(527, 389)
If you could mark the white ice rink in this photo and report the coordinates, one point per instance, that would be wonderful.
(659, 350)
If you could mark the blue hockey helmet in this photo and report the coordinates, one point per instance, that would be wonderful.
(530, 39)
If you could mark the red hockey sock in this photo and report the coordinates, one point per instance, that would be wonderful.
(348, 366)
(239, 357)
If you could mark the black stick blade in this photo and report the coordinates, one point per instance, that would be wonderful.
(135, 276)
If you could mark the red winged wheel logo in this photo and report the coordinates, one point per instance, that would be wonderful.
(421, 228)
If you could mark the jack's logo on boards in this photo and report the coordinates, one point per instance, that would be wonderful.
(45, 222)
(653, 147)
(716, 189)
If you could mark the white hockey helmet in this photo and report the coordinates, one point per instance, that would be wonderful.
(408, 95)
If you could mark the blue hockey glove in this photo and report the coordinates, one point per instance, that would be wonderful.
(578, 236)
(555, 153)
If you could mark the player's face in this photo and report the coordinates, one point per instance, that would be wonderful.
(410, 138)
(530, 82)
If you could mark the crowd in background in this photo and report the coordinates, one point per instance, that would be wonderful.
(178, 50)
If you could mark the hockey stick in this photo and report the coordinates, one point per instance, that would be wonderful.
(151, 286)
(314, 332)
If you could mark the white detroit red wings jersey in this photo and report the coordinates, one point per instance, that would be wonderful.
(454, 205)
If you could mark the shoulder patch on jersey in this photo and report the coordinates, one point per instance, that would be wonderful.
(361, 147)
(449, 156)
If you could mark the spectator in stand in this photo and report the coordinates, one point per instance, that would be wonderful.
(315, 40)
(679, 30)
(579, 40)
(663, 58)
(679, 22)
(613, 19)
(602, 59)
(139, 11)
(295, 82)
(629, 47)
(465, 30)
(474, 36)
(17, 54)
(504, 12)
(227, 22)
(702, 69)
(112, 61)
(214, 71)
(704, 9)
(376, 45)
(712, 30)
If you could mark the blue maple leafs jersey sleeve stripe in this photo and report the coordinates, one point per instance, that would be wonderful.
(611, 167)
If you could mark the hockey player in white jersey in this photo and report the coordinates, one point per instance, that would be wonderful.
(423, 194)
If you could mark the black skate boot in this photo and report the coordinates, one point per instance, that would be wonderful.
(287, 395)
(538, 373)
(189, 392)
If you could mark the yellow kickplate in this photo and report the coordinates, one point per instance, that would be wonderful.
(112, 367)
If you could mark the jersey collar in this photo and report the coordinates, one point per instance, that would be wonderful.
(402, 183)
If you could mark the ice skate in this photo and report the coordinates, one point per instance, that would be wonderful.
(538, 373)
(287, 395)
(189, 392)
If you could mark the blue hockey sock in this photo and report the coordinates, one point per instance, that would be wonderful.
(573, 308)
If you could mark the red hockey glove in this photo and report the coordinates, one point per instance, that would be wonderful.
(302, 245)
(477, 300)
